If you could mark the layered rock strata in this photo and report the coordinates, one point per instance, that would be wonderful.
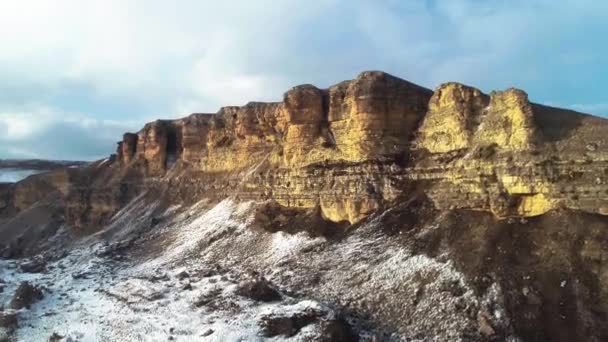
(462, 117)
(352, 149)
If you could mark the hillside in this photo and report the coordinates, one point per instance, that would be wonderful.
(38, 164)
(373, 210)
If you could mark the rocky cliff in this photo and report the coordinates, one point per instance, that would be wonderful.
(357, 146)
(354, 148)
(501, 196)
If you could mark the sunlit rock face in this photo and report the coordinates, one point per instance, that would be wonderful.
(355, 148)
(376, 115)
(369, 118)
(372, 116)
(462, 117)
(455, 111)
(433, 205)
(127, 147)
(509, 122)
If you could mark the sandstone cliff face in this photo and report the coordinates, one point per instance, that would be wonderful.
(378, 116)
(126, 148)
(367, 118)
(502, 187)
(370, 118)
(345, 150)
(455, 112)
(462, 117)
(509, 122)
(38, 187)
(354, 148)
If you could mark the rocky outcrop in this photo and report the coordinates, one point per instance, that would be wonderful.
(461, 117)
(371, 117)
(454, 113)
(25, 295)
(156, 146)
(509, 122)
(127, 147)
(472, 213)
(6, 190)
(350, 150)
(38, 187)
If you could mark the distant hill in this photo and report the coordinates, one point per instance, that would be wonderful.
(38, 164)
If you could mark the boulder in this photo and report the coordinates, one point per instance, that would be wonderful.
(34, 265)
(8, 321)
(26, 295)
(258, 289)
(289, 321)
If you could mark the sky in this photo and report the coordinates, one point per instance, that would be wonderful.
(76, 74)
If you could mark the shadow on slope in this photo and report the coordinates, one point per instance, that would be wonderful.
(570, 129)
(551, 268)
(273, 218)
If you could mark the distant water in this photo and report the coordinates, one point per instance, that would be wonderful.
(15, 175)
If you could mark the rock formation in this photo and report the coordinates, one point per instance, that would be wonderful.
(462, 117)
(354, 148)
(382, 148)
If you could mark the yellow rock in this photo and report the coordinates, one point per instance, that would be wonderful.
(534, 205)
(352, 210)
(462, 117)
(508, 122)
(454, 111)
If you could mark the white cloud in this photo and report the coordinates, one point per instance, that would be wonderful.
(49, 133)
(18, 126)
(171, 58)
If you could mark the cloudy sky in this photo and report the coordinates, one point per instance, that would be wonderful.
(76, 74)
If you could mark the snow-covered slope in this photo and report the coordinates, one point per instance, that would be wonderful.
(181, 277)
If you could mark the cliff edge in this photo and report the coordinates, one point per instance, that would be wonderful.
(351, 150)
(443, 215)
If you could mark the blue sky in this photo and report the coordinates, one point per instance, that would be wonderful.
(74, 75)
